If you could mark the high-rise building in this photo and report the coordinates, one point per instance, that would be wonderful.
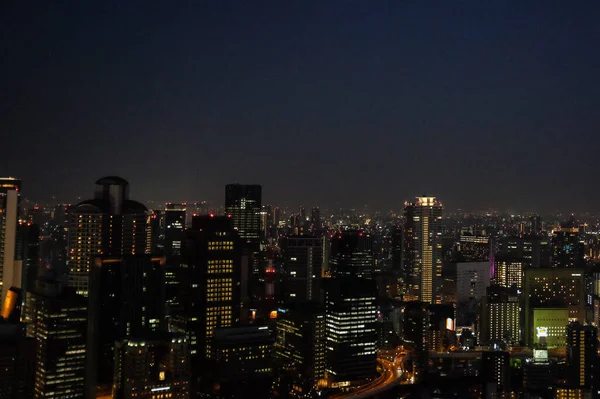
(9, 214)
(28, 254)
(415, 333)
(210, 289)
(509, 272)
(547, 292)
(56, 319)
(351, 329)
(501, 316)
(315, 221)
(302, 268)
(532, 250)
(174, 236)
(471, 248)
(300, 348)
(567, 246)
(352, 254)
(243, 203)
(495, 374)
(111, 224)
(126, 299)
(582, 354)
(156, 366)
(467, 280)
(423, 248)
(243, 359)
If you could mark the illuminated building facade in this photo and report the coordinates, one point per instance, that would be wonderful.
(9, 214)
(243, 203)
(473, 248)
(352, 254)
(301, 269)
(508, 272)
(582, 354)
(210, 288)
(126, 299)
(501, 316)
(56, 319)
(300, 348)
(552, 288)
(423, 249)
(109, 225)
(157, 366)
(174, 236)
(351, 329)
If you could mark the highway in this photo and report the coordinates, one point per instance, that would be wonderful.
(389, 378)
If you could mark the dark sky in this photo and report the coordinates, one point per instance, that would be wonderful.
(482, 103)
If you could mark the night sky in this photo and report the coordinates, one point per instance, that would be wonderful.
(322, 102)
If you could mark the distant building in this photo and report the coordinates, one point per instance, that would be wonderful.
(57, 320)
(534, 251)
(302, 268)
(423, 248)
(467, 280)
(9, 213)
(243, 203)
(174, 237)
(111, 224)
(473, 248)
(567, 247)
(352, 254)
(157, 366)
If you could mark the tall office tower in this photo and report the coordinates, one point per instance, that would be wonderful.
(28, 254)
(156, 366)
(582, 354)
(243, 203)
(210, 290)
(553, 297)
(300, 348)
(423, 248)
(316, 225)
(508, 272)
(397, 246)
(533, 251)
(155, 232)
(567, 246)
(243, 361)
(466, 280)
(57, 319)
(501, 316)
(109, 225)
(351, 329)
(495, 374)
(174, 236)
(415, 327)
(352, 254)
(302, 268)
(276, 216)
(17, 362)
(472, 248)
(536, 224)
(126, 299)
(9, 213)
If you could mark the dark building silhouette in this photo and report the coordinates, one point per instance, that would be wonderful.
(126, 299)
(174, 237)
(567, 246)
(352, 254)
(17, 361)
(301, 269)
(495, 374)
(243, 203)
(582, 354)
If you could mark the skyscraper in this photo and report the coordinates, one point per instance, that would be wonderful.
(174, 237)
(302, 268)
(567, 246)
(210, 285)
(582, 354)
(126, 299)
(351, 329)
(501, 316)
(243, 203)
(9, 213)
(109, 225)
(495, 374)
(57, 320)
(423, 248)
(352, 254)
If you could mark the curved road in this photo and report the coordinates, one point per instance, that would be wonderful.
(389, 378)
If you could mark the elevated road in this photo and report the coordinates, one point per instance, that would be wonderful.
(390, 377)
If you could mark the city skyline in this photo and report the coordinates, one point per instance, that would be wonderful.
(483, 105)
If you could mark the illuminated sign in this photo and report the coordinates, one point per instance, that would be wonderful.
(273, 314)
(161, 375)
(542, 332)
